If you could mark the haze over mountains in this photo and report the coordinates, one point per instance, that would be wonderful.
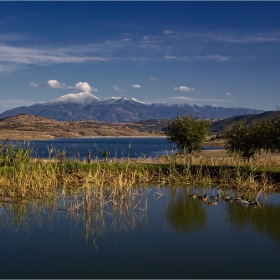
(86, 106)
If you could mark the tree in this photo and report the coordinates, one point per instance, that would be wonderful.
(248, 139)
(187, 133)
(241, 139)
(274, 133)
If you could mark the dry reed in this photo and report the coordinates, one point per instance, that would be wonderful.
(23, 176)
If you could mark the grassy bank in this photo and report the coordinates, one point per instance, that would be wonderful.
(22, 175)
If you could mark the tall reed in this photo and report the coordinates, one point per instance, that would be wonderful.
(24, 175)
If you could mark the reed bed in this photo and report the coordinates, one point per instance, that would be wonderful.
(23, 176)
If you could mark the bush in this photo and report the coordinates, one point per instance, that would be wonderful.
(187, 133)
(248, 139)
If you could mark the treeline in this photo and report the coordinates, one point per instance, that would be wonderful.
(246, 139)
(249, 139)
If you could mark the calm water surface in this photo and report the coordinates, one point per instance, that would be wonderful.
(162, 233)
(119, 147)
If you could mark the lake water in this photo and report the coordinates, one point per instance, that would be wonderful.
(163, 233)
(119, 147)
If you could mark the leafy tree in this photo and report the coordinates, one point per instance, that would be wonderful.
(241, 139)
(274, 133)
(187, 133)
(248, 139)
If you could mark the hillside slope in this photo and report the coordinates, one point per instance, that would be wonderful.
(30, 127)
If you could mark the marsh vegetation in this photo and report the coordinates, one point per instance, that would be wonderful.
(22, 175)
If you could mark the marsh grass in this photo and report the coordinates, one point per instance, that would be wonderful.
(23, 176)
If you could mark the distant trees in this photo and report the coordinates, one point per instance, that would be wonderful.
(249, 139)
(187, 133)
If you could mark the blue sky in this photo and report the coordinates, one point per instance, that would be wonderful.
(223, 53)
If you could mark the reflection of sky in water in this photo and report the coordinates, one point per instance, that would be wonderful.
(175, 237)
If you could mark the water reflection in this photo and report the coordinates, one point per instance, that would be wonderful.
(263, 219)
(158, 232)
(185, 214)
(97, 212)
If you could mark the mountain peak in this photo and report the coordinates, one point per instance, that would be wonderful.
(135, 100)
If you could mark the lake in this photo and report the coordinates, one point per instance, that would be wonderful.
(118, 147)
(160, 233)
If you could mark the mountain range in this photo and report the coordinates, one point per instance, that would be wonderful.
(86, 106)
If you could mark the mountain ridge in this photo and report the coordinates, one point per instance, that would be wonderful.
(86, 106)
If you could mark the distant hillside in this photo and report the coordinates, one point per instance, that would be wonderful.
(219, 126)
(30, 127)
(22, 127)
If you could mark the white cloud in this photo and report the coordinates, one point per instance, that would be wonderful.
(117, 88)
(170, 57)
(34, 84)
(167, 32)
(177, 46)
(84, 86)
(228, 93)
(8, 68)
(23, 55)
(227, 37)
(153, 79)
(11, 37)
(136, 86)
(184, 88)
(80, 86)
(55, 84)
(188, 99)
(215, 57)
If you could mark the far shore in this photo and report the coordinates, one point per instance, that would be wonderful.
(148, 136)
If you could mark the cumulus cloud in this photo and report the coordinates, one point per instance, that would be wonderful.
(80, 86)
(117, 88)
(184, 88)
(228, 93)
(83, 86)
(55, 84)
(136, 86)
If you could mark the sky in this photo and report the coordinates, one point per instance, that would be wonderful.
(222, 53)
